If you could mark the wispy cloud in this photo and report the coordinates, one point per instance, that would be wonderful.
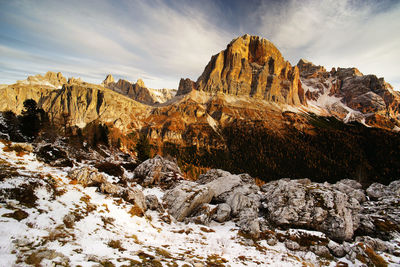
(344, 33)
(133, 39)
(162, 41)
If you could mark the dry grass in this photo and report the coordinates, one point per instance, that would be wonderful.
(376, 260)
(207, 230)
(116, 244)
(136, 211)
(20, 150)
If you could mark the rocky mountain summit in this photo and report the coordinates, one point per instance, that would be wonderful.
(50, 79)
(348, 94)
(138, 91)
(294, 121)
(251, 66)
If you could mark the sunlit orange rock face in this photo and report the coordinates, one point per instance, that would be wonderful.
(252, 66)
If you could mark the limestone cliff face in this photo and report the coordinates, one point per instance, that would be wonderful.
(84, 104)
(138, 91)
(366, 94)
(185, 86)
(253, 66)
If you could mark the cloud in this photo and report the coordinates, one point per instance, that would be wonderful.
(133, 39)
(341, 33)
(162, 41)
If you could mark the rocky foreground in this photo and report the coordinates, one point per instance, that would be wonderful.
(58, 210)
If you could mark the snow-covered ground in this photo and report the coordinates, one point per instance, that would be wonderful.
(65, 223)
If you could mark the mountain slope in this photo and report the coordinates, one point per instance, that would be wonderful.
(138, 91)
(248, 101)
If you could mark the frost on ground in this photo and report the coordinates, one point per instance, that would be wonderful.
(47, 218)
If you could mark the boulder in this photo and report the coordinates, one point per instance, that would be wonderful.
(292, 245)
(321, 207)
(351, 189)
(240, 193)
(321, 251)
(336, 249)
(185, 198)
(223, 213)
(376, 191)
(203, 214)
(87, 176)
(158, 171)
(136, 197)
(152, 202)
(112, 189)
(220, 182)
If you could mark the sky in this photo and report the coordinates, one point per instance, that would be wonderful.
(163, 41)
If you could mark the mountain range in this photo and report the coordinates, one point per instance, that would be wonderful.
(296, 121)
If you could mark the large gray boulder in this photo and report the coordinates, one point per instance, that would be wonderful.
(352, 189)
(377, 191)
(185, 198)
(240, 193)
(158, 171)
(301, 203)
(380, 217)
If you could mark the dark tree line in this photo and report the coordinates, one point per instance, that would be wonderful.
(334, 151)
(25, 127)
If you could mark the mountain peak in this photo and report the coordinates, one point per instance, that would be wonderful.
(108, 80)
(252, 66)
(140, 83)
(50, 79)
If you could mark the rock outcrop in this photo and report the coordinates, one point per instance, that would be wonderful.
(236, 194)
(301, 203)
(252, 66)
(85, 103)
(108, 80)
(91, 177)
(346, 90)
(49, 80)
(185, 198)
(138, 91)
(158, 171)
(185, 86)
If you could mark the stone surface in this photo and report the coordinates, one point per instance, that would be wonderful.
(112, 189)
(136, 197)
(376, 191)
(87, 176)
(185, 86)
(336, 249)
(252, 66)
(108, 80)
(351, 191)
(380, 217)
(158, 171)
(370, 97)
(292, 245)
(223, 213)
(299, 203)
(185, 198)
(152, 202)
